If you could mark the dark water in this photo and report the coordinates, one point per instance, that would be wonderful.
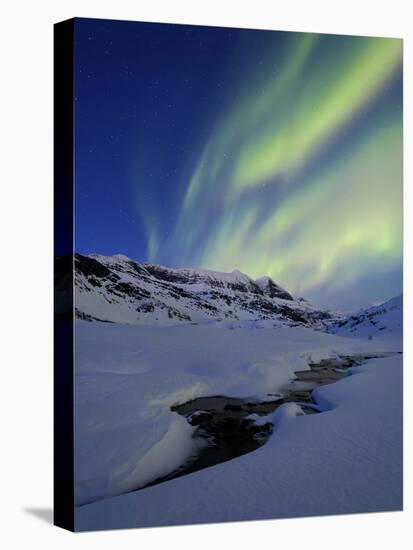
(222, 424)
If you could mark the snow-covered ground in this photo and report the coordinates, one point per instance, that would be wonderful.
(347, 459)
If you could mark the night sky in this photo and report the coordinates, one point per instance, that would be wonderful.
(274, 153)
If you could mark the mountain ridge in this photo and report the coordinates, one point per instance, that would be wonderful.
(117, 289)
(386, 317)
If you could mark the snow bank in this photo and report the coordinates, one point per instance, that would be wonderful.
(164, 457)
(127, 378)
(283, 414)
(345, 460)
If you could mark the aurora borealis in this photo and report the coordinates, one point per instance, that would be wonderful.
(274, 153)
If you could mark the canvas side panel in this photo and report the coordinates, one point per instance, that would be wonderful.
(63, 275)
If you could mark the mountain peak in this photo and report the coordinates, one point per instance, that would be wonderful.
(118, 289)
(272, 289)
(121, 257)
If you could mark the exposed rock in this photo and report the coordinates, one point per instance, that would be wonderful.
(117, 289)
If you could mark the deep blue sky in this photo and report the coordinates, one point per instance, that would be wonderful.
(270, 152)
(146, 95)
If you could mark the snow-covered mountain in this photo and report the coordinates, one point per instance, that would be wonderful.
(385, 318)
(120, 290)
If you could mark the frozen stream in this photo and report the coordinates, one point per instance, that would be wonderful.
(228, 427)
